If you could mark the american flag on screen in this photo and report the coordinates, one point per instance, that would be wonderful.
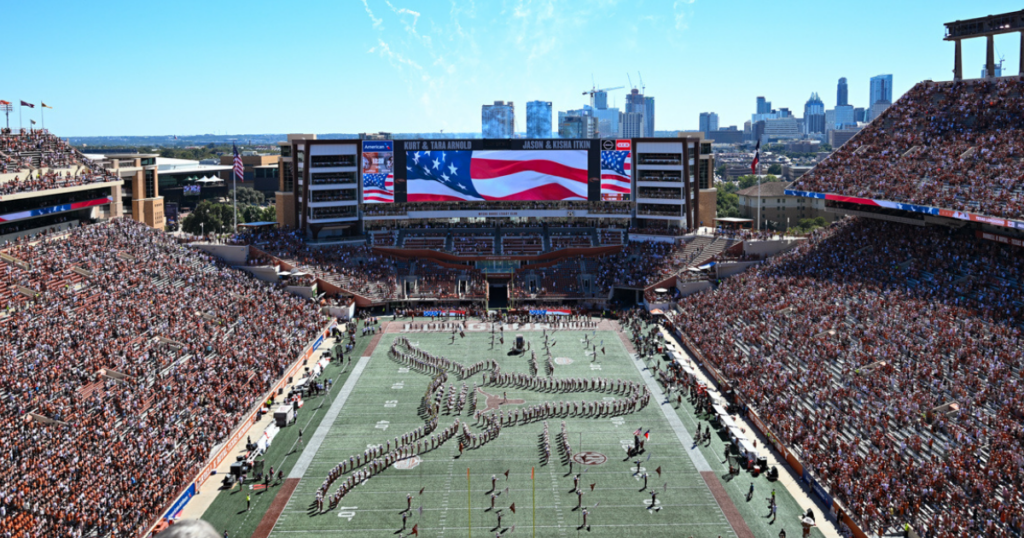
(461, 176)
(615, 175)
(239, 168)
(379, 188)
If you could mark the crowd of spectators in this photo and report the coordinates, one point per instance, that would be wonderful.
(952, 145)
(51, 180)
(354, 268)
(134, 358)
(18, 150)
(890, 356)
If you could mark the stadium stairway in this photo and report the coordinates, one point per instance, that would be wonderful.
(497, 242)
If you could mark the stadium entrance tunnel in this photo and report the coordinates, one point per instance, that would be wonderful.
(497, 294)
(626, 297)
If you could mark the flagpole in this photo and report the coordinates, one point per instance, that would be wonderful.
(42, 114)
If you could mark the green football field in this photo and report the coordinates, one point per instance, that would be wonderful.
(377, 399)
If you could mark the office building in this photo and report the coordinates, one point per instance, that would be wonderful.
(642, 109)
(839, 137)
(763, 106)
(633, 125)
(814, 115)
(842, 93)
(648, 116)
(844, 117)
(725, 136)
(498, 120)
(708, 122)
(881, 89)
(609, 121)
(599, 100)
(877, 109)
(999, 70)
(787, 127)
(858, 115)
(779, 211)
(538, 119)
(577, 123)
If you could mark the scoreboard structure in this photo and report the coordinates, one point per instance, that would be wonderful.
(339, 185)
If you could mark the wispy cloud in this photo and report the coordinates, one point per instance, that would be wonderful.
(680, 13)
(376, 22)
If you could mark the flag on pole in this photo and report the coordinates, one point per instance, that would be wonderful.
(421, 490)
(416, 529)
(512, 508)
(30, 105)
(2, 102)
(44, 105)
(647, 435)
(592, 486)
(33, 121)
(239, 167)
(658, 470)
(506, 473)
(757, 158)
(638, 431)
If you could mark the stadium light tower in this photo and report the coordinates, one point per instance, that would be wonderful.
(987, 27)
(7, 108)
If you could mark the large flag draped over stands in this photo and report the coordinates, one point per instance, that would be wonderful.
(615, 175)
(551, 312)
(460, 176)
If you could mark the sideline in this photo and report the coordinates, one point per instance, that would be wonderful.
(327, 423)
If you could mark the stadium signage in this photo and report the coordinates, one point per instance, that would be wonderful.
(999, 238)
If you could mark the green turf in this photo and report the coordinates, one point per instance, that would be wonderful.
(226, 512)
(373, 509)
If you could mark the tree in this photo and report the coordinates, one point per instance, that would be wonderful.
(248, 196)
(806, 226)
(727, 201)
(251, 213)
(720, 170)
(751, 180)
(775, 169)
(208, 217)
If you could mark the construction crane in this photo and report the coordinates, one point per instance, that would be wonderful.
(643, 89)
(594, 90)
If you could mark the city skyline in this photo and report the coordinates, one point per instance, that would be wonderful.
(427, 67)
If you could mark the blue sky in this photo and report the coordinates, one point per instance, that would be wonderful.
(190, 67)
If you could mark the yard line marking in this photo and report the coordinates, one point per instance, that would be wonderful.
(299, 470)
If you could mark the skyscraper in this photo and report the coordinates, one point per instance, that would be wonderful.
(648, 116)
(881, 89)
(814, 115)
(498, 120)
(538, 119)
(763, 106)
(708, 122)
(599, 100)
(577, 123)
(842, 93)
(636, 111)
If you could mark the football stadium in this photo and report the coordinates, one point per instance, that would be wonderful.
(526, 337)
